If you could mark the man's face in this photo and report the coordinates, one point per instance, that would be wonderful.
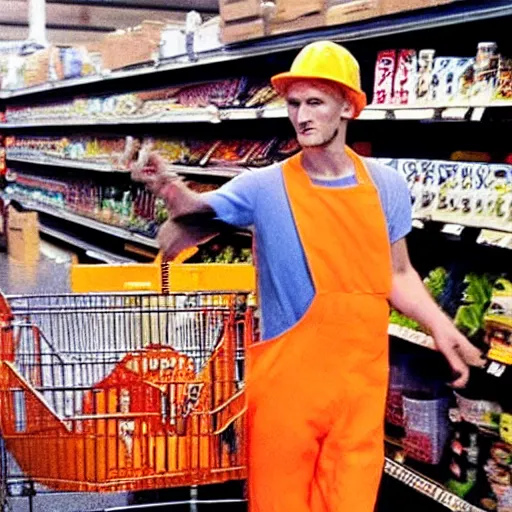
(316, 110)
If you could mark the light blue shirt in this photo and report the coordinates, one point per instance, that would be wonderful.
(258, 198)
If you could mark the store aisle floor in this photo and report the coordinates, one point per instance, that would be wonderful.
(49, 275)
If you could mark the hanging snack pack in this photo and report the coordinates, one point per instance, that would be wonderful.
(384, 77)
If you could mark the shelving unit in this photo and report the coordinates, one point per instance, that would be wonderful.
(380, 33)
(427, 487)
(87, 222)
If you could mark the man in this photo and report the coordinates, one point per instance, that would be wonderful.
(331, 254)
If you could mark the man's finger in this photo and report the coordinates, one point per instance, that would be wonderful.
(457, 364)
(471, 354)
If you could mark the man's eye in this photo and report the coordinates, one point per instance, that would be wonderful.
(314, 103)
(293, 104)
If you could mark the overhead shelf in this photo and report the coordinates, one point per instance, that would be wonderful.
(90, 223)
(68, 164)
(220, 172)
(427, 487)
(212, 114)
(451, 14)
(209, 114)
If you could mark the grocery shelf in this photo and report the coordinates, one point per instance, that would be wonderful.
(215, 115)
(209, 114)
(451, 14)
(427, 487)
(91, 250)
(412, 336)
(221, 172)
(85, 221)
(66, 163)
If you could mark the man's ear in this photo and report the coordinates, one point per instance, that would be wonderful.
(348, 110)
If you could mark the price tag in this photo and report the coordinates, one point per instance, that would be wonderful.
(370, 114)
(418, 224)
(496, 369)
(453, 229)
(414, 114)
(478, 113)
(456, 113)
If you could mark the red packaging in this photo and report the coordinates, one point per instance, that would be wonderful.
(405, 77)
(384, 76)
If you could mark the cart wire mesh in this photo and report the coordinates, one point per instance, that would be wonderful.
(124, 392)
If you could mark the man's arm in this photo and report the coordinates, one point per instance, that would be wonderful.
(193, 218)
(410, 297)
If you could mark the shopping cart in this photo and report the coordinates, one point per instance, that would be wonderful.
(125, 391)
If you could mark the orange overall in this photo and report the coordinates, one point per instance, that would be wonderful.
(316, 394)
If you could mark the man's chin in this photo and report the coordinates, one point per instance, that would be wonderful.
(309, 142)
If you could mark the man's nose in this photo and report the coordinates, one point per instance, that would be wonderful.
(303, 115)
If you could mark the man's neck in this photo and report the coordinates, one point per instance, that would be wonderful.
(329, 163)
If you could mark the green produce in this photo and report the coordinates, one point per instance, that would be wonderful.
(478, 293)
(435, 283)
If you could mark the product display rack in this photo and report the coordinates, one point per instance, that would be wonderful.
(485, 233)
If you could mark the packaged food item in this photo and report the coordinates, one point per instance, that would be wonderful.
(463, 456)
(463, 79)
(405, 77)
(263, 154)
(504, 89)
(486, 71)
(199, 152)
(286, 148)
(233, 152)
(498, 323)
(384, 77)
(478, 412)
(443, 86)
(425, 71)
(426, 427)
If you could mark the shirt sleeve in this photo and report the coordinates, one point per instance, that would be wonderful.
(234, 202)
(399, 207)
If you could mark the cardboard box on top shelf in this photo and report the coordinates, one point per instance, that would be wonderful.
(249, 19)
(395, 6)
(131, 47)
(23, 241)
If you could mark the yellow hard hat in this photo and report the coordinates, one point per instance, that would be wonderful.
(325, 60)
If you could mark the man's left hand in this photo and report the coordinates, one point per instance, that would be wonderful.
(460, 353)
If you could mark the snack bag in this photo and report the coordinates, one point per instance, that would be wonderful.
(486, 72)
(384, 77)
(504, 89)
(448, 184)
(463, 80)
(442, 86)
(405, 77)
